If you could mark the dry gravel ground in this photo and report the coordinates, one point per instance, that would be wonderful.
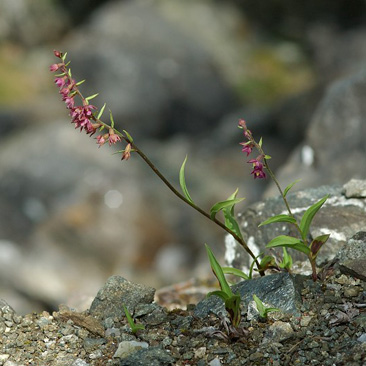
(330, 331)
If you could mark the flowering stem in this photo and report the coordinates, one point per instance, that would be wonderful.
(83, 117)
(273, 177)
(183, 198)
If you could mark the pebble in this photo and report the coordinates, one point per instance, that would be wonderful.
(126, 348)
(215, 362)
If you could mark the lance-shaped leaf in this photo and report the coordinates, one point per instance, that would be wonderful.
(278, 218)
(286, 260)
(290, 186)
(218, 272)
(235, 272)
(288, 242)
(219, 293)
(101, 111)
(129, 137)
(231, 223)
(262, 309)
(91, 97)
(182, 181)
(134, 327)
(317, 243)
(228, 204)
(309, 215)
(227, 208)
(111, 118)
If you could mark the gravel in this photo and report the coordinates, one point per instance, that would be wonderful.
(331, 330)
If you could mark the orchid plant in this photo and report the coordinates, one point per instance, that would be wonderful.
(301, 243)
(86, 117)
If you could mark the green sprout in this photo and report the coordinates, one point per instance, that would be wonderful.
(134, 327)
(232, 301)
(262, 309)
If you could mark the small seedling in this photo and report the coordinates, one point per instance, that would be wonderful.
(262, 309)
(232, 301)
(134, 327)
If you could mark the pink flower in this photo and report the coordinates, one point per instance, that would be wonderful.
(113, 138)
(54, 67)
(247, 147)
(257, 168)
(60, 82)
(81, 116)
(70, 102)
(102, 139)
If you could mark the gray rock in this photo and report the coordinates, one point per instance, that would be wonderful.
(355, 188)
(126, 348)
(341, 217)
(279, 290)
(116, 292)
(278, 332)
(153, 356)
(352, 257)
(334, 147)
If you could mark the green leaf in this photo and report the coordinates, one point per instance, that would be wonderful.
(69, 73)
(101, 111)
(266, 262)
(111, 118)
(231, 223)
(260, 306)
(129, 137)
(260, 142)
(267, 157)
(286, 260)
(263, 311)
(278, 218)
(235, 272)
(317, 244)
(91, 97)
(80, 82)
(309, 215)
(218, 293)
(182, 181)
(134, 327)
(218, 272)
(289, 242)
(63, 58)
(224, 204)
(290, 186)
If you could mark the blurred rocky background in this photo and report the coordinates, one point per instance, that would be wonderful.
(177, 75)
